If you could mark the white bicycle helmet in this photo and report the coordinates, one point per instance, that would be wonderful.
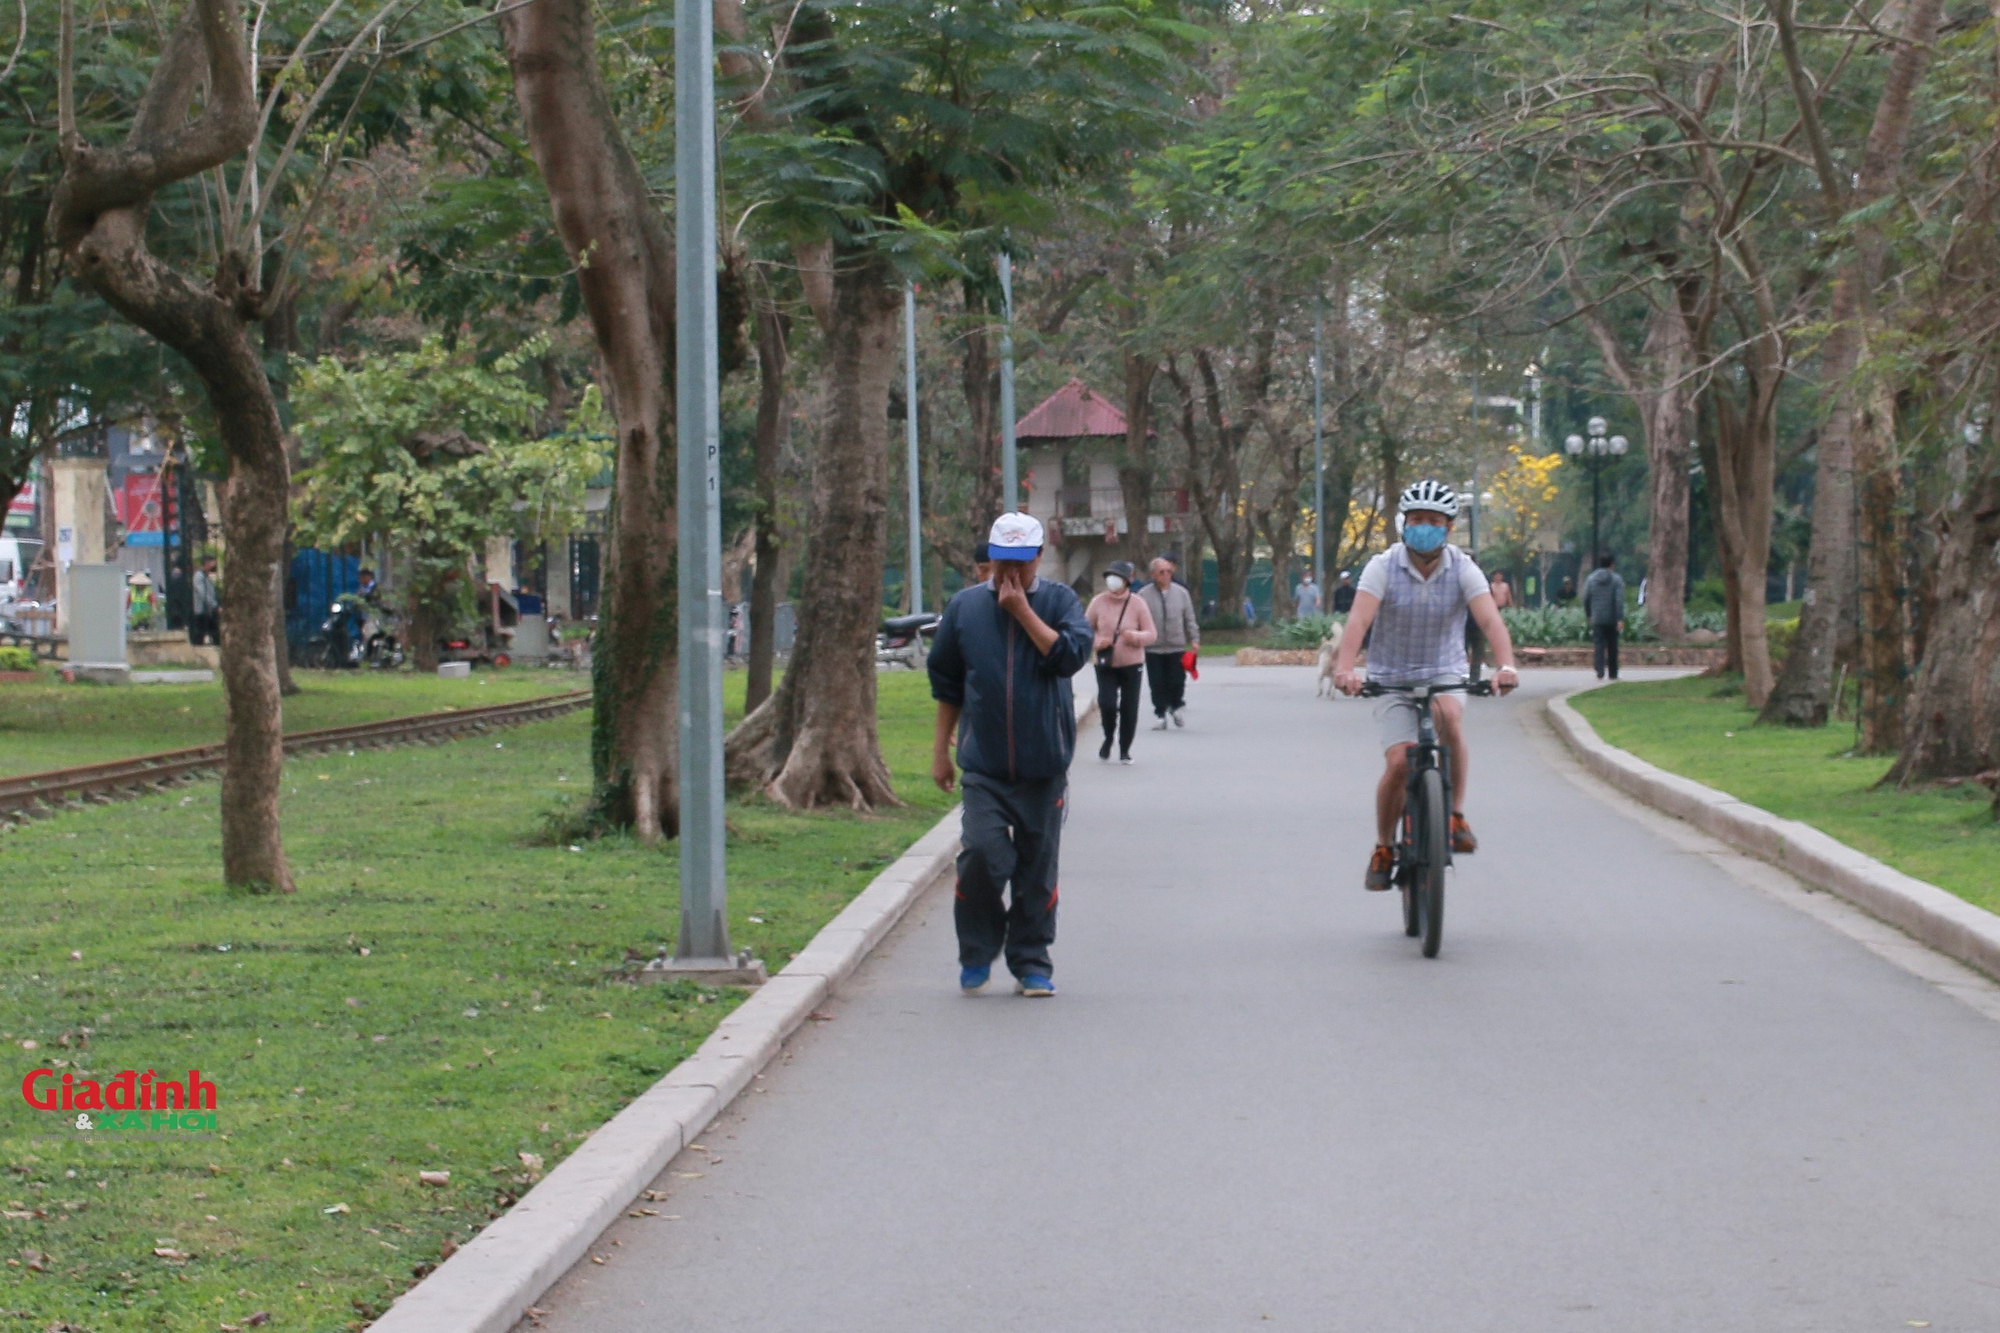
(1431, 496)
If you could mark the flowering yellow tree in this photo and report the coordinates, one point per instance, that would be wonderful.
(1522, 495)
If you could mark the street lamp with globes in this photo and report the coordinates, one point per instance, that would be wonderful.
(1596, 452)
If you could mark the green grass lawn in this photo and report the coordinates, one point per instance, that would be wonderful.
(1700, 728)
(51, 725)
(442, 993)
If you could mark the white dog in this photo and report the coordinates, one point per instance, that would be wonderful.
(1328, 651)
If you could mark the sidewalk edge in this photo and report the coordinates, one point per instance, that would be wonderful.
(1922, 910)
(488, 1285)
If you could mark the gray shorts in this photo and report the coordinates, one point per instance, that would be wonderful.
(1396, 718)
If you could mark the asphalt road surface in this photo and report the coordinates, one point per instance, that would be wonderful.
(1647, 1086)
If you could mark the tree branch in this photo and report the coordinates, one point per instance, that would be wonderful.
(1808, 102)
(163, 145)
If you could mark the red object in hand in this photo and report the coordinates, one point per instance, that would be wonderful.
(1190, 663)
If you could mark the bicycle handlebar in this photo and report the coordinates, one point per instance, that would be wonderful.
(1374, 689)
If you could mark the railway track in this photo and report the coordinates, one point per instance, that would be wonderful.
(40, 793)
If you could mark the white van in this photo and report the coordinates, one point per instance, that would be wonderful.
(17, 557)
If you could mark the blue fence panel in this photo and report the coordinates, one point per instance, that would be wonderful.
(314, 580)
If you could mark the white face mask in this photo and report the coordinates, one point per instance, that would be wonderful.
(1113, 582)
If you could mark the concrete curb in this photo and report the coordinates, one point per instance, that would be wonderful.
(1924, 911)
(489, 1284)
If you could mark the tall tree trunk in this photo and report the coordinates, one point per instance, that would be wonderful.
(100, 213)
(1746, 467)
(1803, 696)
(1882, 541)
(604, 212)
(281, 648)
(814, 742)
(1657, 383)
(773, 422)
(1668, 418)
(1954, 714)
(979, 377)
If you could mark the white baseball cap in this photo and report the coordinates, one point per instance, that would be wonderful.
(1015, 536)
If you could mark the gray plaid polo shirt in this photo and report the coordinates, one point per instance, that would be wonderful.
(1419, 632)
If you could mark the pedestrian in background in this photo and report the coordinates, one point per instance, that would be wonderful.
(1503, 591)
(1305, 597)
(1000, 672)
(205, 609)
(1343, 593)
(1178, 632)
(1122, 626)
(1604, 608)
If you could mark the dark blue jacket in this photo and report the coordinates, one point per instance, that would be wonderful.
(1019, 718)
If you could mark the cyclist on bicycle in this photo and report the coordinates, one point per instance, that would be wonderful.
(1415, 596)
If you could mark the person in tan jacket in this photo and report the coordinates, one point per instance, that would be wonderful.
(1121, 625)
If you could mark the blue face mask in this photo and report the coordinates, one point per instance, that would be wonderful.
(1423, 538)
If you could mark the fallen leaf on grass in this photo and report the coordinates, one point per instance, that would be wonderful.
(439, 1178)
(11, 1215)
(533, 1161)
(337, 1208)
(261, 1317)
(597, 1258)
(167, 1252)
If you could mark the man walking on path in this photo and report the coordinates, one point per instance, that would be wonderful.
(204, 614)
(1122, 626)
(1305, 597)
(1343, 593)
(1179, 632)
(1604, 608)
(1000, 670)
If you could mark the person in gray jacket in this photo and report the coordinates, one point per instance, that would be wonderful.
(1173, 616)
(1604, 608)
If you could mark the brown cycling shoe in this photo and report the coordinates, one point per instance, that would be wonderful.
(1381, 866)
(1462, 840)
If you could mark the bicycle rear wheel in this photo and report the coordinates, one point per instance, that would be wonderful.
(1433, 828)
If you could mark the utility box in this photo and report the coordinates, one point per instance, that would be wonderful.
(96, 615)
(531, 639)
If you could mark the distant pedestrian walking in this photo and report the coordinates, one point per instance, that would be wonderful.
(1122, 626)
(204, 613)
(1305, 597)
(1000, 671)
(1343, 593)
(1604, 607)
(1179, 631)
(1503, 591)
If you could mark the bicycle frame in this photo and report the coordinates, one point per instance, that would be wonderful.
(1429, 752)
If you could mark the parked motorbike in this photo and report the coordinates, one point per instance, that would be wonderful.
(354, 634)
(905, 640)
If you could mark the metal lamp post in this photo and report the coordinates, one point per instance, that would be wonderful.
(910, 421)
(1009, 464)
(1596, 453)
(703, 952)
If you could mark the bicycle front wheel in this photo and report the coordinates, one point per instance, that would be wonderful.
(1429, 886)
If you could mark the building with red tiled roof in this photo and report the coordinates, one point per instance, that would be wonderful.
(1069, 448)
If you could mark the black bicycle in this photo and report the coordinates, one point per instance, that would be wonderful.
(1424, 849)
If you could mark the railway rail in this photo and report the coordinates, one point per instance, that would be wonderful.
(29, 794)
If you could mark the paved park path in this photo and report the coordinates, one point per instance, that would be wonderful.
(1648, 1085)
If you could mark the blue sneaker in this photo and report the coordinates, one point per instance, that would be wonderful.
(1035, 986)
(970, 979)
